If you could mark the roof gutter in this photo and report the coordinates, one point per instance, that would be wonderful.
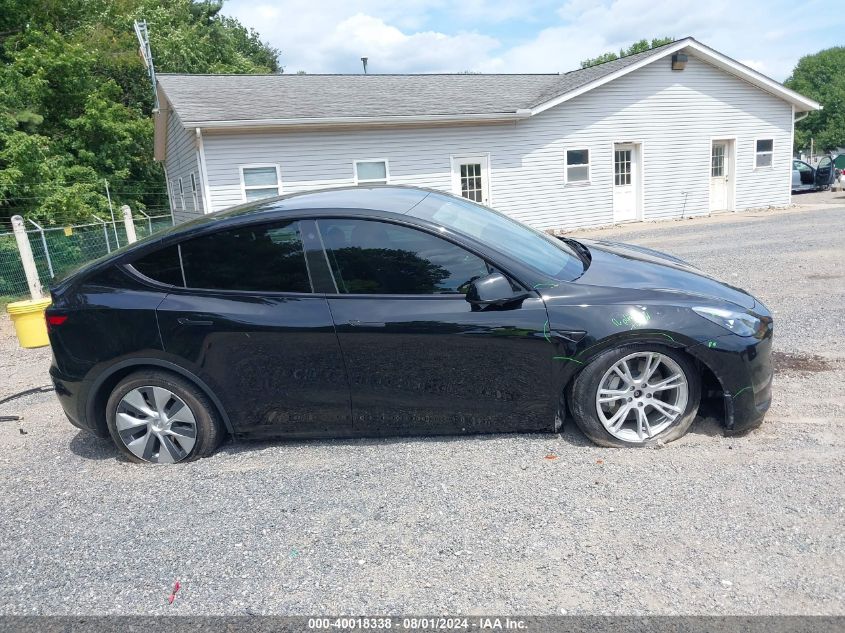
(429, 119)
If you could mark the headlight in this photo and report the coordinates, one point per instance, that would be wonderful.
(741, 323)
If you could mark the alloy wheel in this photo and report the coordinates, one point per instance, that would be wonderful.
(641, 395)
(156, 425)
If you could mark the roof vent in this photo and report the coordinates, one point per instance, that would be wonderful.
(679, 61)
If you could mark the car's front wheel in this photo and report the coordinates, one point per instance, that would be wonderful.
(158, 417)
(636, 395)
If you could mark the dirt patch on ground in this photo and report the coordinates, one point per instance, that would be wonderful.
(788, 361)
(825, 276)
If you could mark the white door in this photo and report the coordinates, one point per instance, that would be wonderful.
(470, 177)
(720, 176)
(626, 195)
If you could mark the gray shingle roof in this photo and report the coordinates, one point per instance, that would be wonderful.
(204, 98)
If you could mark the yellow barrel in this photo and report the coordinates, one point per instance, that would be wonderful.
(28, 317)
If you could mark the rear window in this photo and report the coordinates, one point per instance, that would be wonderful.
(162, 266)
(266, 258)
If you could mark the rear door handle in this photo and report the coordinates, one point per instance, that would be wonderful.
(187, 321)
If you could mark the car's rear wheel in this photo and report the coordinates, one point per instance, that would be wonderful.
(636, 395)
(158, 417)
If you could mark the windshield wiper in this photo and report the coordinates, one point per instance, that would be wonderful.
(583, 252)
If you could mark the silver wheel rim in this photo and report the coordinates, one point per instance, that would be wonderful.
(156, 425)
(641, 396)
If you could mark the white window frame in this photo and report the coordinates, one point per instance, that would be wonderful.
(194, 191)
(771, 164)
(371, 180)
(181, 195)
(566, 166)
(244, 186)
(171, 188)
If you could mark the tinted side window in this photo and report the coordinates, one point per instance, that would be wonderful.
(161, 266)
(254, 258)
(369, 257)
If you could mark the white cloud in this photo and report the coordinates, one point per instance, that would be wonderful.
(391, 50)
(770, 35)
(442, 36)
(324, 37)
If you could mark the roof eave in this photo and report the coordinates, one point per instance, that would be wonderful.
(428, 119)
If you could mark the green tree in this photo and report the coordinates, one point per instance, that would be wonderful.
(636, 47)
(75, 100)
(821, 77)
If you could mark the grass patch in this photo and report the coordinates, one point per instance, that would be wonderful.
(5, 300)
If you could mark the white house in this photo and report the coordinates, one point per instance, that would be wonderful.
(680, 129)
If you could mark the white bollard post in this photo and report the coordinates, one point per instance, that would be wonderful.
(129, 223)
(28, 261)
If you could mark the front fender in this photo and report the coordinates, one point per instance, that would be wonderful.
(572, 358)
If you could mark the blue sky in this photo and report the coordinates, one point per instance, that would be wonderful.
(330, 36)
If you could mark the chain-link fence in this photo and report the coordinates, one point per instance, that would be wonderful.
(57, 251)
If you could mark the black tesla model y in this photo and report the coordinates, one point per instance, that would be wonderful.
(395, 311)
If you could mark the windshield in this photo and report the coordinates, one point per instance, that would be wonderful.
(542, 252)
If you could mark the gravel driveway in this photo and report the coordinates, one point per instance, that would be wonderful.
(529, 524)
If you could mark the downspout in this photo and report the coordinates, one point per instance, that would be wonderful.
(206, 207)
(169, 193)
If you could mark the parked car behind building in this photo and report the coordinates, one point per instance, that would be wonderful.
(808, 178)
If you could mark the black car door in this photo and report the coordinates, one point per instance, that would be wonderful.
(824, 172)
(247, 321)
(419, 358)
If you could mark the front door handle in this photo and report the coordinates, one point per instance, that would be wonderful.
(357, 323)
(187, 321)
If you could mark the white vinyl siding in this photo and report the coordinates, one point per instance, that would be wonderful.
(180, 163)
(673, 115)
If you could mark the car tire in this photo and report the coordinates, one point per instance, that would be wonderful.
(155, 416)
(600, 373)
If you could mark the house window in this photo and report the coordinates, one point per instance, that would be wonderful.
(181, 196)
(763, 155)
(371, 172)
(577, 165)
(194, 191)
(260, 181)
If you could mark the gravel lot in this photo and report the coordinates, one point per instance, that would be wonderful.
(748, 525)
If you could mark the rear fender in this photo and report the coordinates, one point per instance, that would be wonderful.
(143, 363)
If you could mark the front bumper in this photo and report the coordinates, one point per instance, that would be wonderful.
(743, 366)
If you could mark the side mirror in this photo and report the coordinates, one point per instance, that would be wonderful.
(493, 290)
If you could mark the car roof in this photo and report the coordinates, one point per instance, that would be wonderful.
(394, 199)
(390, 198)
